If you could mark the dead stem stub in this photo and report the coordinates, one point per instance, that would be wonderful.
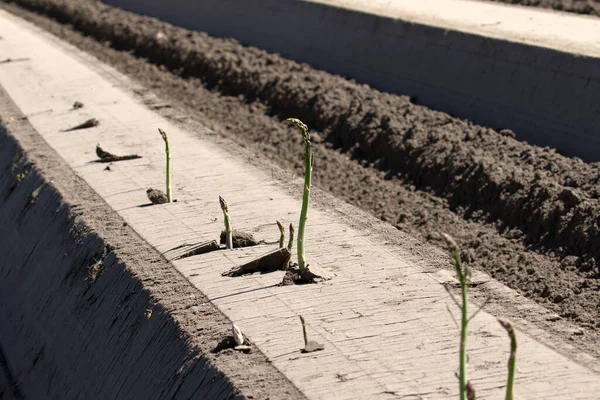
(189, 250)
(228, 342)
(106, 157)
(90, 123)
(276, 260)
(293, 276)
(240, 239)
(309, 345)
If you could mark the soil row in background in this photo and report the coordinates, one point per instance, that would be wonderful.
(524, 214)
(587, 7)
(551, 198)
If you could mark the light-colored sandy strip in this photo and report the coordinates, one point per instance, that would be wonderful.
(383, 321)
(566, 32)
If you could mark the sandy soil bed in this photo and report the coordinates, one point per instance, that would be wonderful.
(589, 7)
(112, 317)
(526, 215)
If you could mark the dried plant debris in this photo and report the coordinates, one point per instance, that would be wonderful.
(240, 239)
(309, 345)
(276, 260)
(90, 123)
(188, 250)
(157, 196)
(105, 156)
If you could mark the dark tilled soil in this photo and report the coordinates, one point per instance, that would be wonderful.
(526, 215)
(590, 7)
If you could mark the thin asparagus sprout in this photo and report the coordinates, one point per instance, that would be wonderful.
(304, 330)
(308, 162)
(512, 359)
(281, 234)
(168, 154)
(463, 276)
(228, 231)
(291, 242)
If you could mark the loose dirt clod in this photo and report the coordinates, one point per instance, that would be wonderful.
(240, 239)
(90, 123)
(106, 157)
(276, 260)
(189, 250)
(294, 276)
(156, 196)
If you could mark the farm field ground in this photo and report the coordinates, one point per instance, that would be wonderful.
(525, 215)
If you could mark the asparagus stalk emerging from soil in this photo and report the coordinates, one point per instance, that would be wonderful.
(308, 161)
(168, 154)
(512, 359)
(291, 242)
(463, 277)
(228, 231)
(281, 234)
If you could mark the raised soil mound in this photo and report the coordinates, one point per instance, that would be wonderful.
(524, 214)
(588, 7)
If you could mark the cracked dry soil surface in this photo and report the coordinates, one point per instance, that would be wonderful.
(526, 215)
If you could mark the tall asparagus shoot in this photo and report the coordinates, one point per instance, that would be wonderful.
(281, 234)
(228, 231)
(463, 275)
(308, 162)
(512, 359)
(168, 154)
